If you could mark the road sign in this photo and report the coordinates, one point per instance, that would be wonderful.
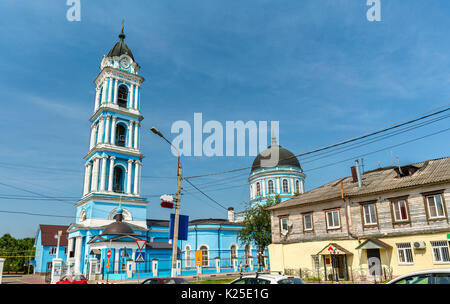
(448, 236)
(167, 205)
(198, 257)
(108, 253)
(107, 264)
(331, 248)
(139, 257)
(183, 227)
(141, 244)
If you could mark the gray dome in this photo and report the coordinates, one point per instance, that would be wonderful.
(118, 227)
(286, 158)
(120, 48)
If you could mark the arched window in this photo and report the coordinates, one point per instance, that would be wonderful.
(188, 255)
(285, 186)
(83, 215)
(118, 178)
(122, 98)
(297, 186)
(233, 253)
(205, 258)
(258, 189)
(270, 188)
(121, 134)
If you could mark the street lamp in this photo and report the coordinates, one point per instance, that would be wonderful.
(177, 206)
(58, 237)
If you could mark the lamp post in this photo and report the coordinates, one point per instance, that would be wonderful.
(177, 205)
(58, 237)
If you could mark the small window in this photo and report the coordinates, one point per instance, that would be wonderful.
(435, 206)
(405, 256)
(370, 215)
(121, 133)
(270, 188)
(333, 221)
(440, 252)
(285, 186)
(284, 224)
(52, 251)
(258, 189)
(307, 222)
(297, 186)
(400, 210)
(233, 254)
(188, 256)
(205, 259)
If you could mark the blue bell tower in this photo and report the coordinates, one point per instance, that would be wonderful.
(114, 161)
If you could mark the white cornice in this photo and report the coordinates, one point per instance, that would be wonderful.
(115, 108)
(115, 149)
(129, 199)
(110, 71)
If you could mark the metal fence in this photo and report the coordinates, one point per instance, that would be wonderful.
(360, 274)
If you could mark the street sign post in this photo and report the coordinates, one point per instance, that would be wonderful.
(139, 257)
(198, 258)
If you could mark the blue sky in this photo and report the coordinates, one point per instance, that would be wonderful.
(318, 67)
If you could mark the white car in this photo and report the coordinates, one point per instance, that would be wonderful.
(266, 278)
(430, 276)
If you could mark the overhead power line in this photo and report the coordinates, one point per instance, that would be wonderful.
(209, 197)
(395, 126)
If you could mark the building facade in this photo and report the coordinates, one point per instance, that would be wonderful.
(46, 244)
(377, 225)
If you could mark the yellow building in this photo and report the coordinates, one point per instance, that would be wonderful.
(376, 225)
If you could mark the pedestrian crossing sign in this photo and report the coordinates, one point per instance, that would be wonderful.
(139, 257)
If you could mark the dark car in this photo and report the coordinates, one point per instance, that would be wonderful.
(165, 281)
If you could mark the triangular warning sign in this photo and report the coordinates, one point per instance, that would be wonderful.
(140, 244)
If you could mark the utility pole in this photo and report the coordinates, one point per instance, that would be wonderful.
(177, 206)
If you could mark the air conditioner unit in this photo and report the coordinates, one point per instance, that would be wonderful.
(419, 245)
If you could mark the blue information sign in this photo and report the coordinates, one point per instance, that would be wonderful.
(139, 257)
(183, 225)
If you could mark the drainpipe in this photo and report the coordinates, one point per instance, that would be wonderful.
(358, 174)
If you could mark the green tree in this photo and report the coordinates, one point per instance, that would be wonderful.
(257, 227)
(17, 253)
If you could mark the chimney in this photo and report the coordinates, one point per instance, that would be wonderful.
(231, 214)
(358, 173)
(354, 176)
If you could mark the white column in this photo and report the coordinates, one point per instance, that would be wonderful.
(137, 169)
(116, 259)
(94, 181)
(113, 130)
(136, 130)
(302, 186)
(263, 182)
(131, 96)
(103, 173)
(110, 89)
(111, 173)
(69, 247)
(78, 254)
(103, 92)
(292, 186)
(136, 96)
(101, 128)
(93, 131)
(97, 101)
(130, 134)
(87, 177)
(130, 162)
(116, 82)
(107, 133)
(278, 185)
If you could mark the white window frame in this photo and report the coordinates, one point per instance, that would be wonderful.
(441, 247)
(283, 184)
(437, 216)
(396, 204)
(258, 189)
(371, 213)
(334, 226)
(52, 250)
(404, 248)
(304, 222)
(188, 256)
(270, 187)
(203, 254)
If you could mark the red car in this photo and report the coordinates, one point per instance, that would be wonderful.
(72, 279)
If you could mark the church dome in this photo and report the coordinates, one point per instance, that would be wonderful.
(286, 158)
(118, 227)
(120, 47)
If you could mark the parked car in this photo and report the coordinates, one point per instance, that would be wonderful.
(265, 278)
(165, 281)
(431, 276)
(73, 279)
